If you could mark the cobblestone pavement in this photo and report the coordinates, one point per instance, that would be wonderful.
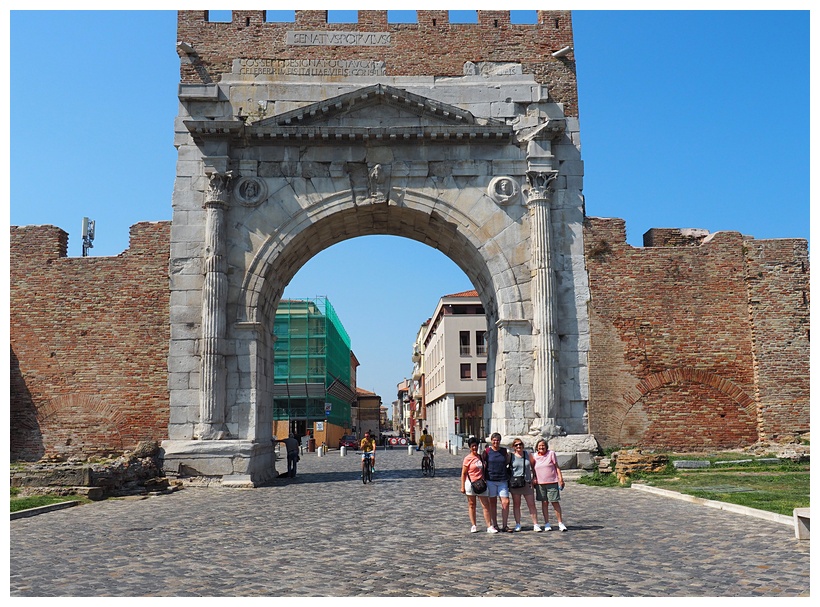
(326, 534)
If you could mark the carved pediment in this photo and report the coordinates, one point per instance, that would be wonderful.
(374, 112)
(380, 98)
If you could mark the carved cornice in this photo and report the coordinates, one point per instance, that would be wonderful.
(551, 128)
(234, 130)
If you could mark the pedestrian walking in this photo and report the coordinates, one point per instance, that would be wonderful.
(292, 449)
(472, 476)
(522, 483)
(548, 484)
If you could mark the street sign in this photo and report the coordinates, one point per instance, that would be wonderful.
(327, 408)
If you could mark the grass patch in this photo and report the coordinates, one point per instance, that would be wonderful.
(773, 487)
(596, 479)
(35, 501)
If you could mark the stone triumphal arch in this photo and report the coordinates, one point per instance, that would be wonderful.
(293, 137)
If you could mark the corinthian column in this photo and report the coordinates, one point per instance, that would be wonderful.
(545, 383)
(212, 387)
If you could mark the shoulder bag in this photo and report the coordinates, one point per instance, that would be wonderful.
(517, 482)
(480, 485)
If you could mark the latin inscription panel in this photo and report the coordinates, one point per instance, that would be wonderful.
(308, 67)
(320, 38)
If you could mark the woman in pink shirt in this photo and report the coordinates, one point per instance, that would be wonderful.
(471, 470)
(548, 481)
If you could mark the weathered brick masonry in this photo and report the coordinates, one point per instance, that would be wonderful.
(89, 344)
(696, 340)
(431, 47)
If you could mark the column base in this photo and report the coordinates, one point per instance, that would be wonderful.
(231, 463)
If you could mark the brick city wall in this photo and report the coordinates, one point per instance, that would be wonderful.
(697, 340)
(89, 344)
(431, 47)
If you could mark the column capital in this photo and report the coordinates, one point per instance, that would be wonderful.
(541, 185)
(218, 188)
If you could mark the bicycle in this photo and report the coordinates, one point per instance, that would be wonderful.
(367, 469)
(428, 465)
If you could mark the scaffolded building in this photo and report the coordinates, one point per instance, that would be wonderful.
(312, 365)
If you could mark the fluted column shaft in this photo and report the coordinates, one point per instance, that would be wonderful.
(545, 383)
(212, 387)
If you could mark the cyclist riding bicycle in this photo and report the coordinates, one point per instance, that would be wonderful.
(368, 445)
(426, 443)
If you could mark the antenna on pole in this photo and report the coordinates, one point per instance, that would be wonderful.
(88, 235)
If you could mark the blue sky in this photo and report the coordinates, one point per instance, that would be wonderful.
(688, 119)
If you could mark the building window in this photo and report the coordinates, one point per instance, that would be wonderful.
(481, 370)
(466, 371)
(464, 342)
(480, 343)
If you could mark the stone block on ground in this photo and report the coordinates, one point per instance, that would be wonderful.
(691, 463)
(629, 462)
(586, 461)
(566, 461)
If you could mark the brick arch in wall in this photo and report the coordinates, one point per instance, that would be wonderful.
(80, 425)
(726, 415)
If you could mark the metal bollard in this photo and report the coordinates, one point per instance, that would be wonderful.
(409, 449)
(320, 452)
(343, 451)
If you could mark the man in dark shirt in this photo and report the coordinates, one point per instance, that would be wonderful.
(292, 448)
(496, 459)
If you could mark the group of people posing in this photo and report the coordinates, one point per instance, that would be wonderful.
(496, 474)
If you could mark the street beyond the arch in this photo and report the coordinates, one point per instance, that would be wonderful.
(324, 533)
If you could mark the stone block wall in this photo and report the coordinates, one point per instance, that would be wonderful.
(698, 340)
(431, 47)
(89, 344)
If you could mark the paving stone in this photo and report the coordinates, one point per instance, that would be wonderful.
(324, 533)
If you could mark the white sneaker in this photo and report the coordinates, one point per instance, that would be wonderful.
(517, 528)
(473, 529)
(536, 528)
(562, 527)
(547, 527)
(492, 530)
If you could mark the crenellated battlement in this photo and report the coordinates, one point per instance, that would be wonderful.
(431, 47)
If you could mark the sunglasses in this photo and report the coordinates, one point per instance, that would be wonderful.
(518, 445)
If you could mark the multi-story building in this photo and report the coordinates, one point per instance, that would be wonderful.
(401, 407)
(455, 368)
(314, 371)
(417, 401)
(368, 409)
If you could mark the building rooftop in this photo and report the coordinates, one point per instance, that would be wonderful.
(472, 293)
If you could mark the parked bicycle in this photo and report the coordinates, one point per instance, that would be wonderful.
(428, 464)
(367, 469)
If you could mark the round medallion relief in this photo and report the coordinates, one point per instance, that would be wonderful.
(504, 190)
(250, 191)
